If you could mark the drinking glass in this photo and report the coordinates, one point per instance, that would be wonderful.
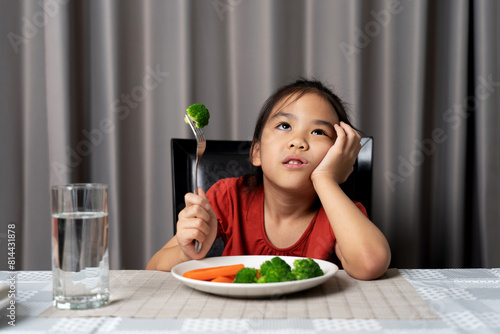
(80, 264)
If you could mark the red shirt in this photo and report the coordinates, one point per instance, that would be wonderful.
(240, 216)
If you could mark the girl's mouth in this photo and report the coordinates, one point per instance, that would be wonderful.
(294, 161)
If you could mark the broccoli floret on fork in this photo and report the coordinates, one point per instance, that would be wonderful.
(199, 114)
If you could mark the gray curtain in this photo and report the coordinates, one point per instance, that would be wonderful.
(93, 91)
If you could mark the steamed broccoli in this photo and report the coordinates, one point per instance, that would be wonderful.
(199, 114)
(275, 270)
(246, 275)
(306, 268)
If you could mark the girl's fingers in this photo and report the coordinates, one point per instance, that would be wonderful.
(193, 199)
(195, 224)
(341, 137)
(200, 200)
(353, 141)
(192, 228)
(351, 134)
(185, 239)
(206, 204)
(194, 211)
(197, 217)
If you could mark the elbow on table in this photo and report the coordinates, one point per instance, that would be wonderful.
(371, 266)
(157, 267)
(151, 265)
(155, 263)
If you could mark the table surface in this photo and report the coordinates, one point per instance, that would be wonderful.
(466, 300)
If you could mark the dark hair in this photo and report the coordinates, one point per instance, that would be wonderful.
(297, 89)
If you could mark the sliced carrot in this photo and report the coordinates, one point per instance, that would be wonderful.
(224, 279)
(207, 274)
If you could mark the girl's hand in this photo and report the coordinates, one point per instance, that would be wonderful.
(338, 162)
(197, 221)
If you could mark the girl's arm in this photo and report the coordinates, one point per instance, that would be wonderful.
(167, 257)
(361, 247)
(197, 221)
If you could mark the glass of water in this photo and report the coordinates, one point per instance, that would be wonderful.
(80, 264)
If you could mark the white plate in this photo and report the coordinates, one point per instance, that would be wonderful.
(249, 289)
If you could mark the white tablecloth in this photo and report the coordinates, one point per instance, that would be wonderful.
(467, 301)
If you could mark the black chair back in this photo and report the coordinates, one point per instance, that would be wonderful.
(230, 158)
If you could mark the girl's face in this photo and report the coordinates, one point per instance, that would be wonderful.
(295, 139)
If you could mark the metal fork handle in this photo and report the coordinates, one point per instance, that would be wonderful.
(195, 188)
(199, 153)
(197, 245)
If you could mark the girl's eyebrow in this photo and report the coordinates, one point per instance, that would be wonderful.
(284, 114)
(325, 123)
(294, 117)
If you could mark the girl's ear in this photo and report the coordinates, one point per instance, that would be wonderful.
(255, 158)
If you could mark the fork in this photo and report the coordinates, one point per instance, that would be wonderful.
(200, 149)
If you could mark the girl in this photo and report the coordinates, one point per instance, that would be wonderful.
(303, 149)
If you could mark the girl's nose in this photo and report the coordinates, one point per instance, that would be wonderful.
(298, 143)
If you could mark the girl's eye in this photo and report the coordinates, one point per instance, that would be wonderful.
(319, 132)
(284, 126)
